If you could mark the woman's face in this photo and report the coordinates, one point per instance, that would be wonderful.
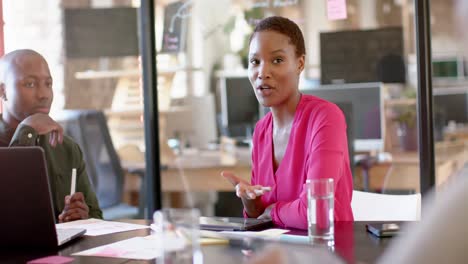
(274, 68)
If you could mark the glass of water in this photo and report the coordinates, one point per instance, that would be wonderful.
(320, 198)
(177, 232)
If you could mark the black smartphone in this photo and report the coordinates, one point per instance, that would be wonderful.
(383, 229)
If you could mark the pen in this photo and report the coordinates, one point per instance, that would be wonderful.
(73, 182)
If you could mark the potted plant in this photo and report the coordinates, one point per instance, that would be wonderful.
(404, 114)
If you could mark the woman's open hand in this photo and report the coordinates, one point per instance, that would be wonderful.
(243, 188)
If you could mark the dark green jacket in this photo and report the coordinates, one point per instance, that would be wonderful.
(60, 162)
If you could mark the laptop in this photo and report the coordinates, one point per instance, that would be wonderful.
(27, 218)
(234, 223)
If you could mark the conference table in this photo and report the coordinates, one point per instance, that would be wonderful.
(352, 245)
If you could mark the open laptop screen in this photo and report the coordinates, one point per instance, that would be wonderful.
(27, 210)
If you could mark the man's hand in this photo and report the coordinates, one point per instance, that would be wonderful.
(243, 188)
(44, 124)
(75, 208)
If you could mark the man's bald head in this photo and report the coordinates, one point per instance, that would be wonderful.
(25, 84)
(10, 61)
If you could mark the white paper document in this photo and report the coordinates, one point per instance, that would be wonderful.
(144, 248)
(97, 227)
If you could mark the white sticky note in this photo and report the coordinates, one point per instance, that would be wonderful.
(336, 9)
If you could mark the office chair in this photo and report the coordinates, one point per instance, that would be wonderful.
(347, 109)
(365, 163)
(89, 130)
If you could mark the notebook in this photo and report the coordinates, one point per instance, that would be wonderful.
(233, 223)
(27, 218)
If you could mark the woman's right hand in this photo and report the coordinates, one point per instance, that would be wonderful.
(244, 189)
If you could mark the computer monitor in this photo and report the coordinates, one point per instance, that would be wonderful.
(239, 106)
(451, 104)
(367, 116)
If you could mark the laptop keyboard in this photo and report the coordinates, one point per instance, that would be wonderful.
(65, 234)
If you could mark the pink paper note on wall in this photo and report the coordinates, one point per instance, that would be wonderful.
(336, 9)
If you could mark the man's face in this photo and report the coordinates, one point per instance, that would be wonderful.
(28, 86)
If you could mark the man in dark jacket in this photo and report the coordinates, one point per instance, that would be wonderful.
(26, 92)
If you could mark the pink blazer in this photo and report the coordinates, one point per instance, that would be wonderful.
(317, 148)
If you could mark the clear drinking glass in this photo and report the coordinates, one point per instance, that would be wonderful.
(178, 234)
(320, 198)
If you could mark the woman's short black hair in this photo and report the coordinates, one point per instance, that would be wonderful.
(284, 26)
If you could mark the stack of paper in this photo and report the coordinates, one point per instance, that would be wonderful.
(97, 227)
(144, 248)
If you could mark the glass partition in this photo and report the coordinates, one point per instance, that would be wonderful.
(361, 56)
(450, 90)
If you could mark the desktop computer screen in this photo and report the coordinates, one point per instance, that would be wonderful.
(451, 106)
(367, 116)
(239, 107)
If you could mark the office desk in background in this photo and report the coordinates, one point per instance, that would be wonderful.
(352, 243)
(201, 169)
(402, 172)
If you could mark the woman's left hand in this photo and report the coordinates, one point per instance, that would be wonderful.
(267, 213)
